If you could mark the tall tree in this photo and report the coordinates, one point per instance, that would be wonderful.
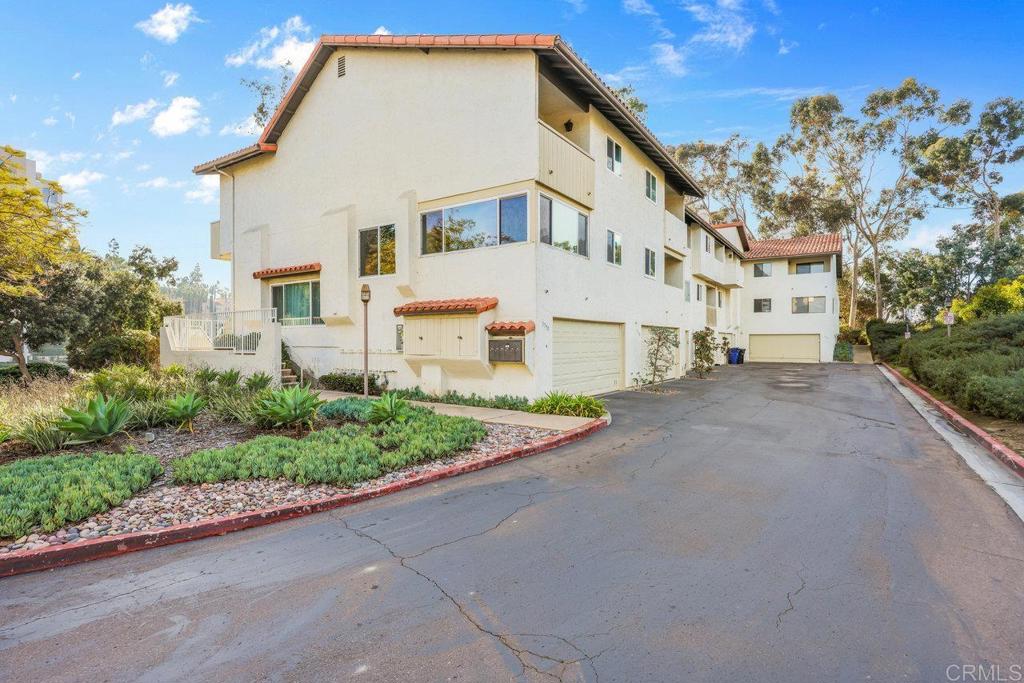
(718, 169)
(268, 95)
(627, 94)
(965, 169)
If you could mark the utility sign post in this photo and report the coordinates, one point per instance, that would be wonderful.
(949, 319)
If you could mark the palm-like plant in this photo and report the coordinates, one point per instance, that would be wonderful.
(293, 406)
(101, 418)
(184, 409)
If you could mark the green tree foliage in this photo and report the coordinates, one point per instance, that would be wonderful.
(268, 95)
(704, 346)
(999, 298)
(627, 94)
(720, 170)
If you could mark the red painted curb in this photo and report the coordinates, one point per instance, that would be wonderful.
(1010, 457)
(98, 548)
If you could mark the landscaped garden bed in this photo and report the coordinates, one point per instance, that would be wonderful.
(230, 449)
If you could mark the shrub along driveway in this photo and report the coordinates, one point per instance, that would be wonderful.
(776, 523)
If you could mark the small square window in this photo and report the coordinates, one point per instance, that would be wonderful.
(762, 305)
(762, 270)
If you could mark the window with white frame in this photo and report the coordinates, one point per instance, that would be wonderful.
(477, 224)
(377, 251)
(650, 262)
(808, 304)
(297, 303)
(614, 248)
(700, 292)
(686, 290)
(762, 270)
(614, 157)
(813, 267)
(762, 305)
(652, 186)
(709, 244)
(563, 226)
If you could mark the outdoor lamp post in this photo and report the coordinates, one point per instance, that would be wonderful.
(364, 296)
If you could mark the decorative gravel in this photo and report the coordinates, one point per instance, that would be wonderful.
(164, 505)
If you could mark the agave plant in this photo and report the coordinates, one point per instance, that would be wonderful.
(101, 418)
(390, 408)
(258, 381)
(184, 409)
(293, 406)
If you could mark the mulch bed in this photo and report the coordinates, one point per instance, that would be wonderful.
(163, 504)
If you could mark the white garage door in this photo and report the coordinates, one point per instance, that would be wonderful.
(587, 356)
(784, 348)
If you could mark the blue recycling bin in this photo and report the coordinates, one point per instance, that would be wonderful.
(734, 356)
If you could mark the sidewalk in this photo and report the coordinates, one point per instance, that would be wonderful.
(558, 423)
(862, 354)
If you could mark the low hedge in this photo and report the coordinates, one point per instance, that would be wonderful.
(342, 456)
(50, 492)
(352, 382)
(843, 352)
(130, 347)
(886, 339)
(501, 402)
(12, 373)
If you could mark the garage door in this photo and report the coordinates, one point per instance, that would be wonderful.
(784, 348)
(587, 356)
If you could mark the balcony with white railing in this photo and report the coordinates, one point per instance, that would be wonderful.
(246, 340)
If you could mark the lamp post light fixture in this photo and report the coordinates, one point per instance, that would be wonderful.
(364, 296)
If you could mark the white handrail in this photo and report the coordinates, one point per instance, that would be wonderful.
(237, 331)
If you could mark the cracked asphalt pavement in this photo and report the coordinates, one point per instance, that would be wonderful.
(774, 523)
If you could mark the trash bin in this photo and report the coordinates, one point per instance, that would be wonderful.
(734, 356)
(743, 354)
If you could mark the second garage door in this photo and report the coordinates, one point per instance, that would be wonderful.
(587, 356)
(784, 348)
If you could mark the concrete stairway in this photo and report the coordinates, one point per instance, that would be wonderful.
(288, 377)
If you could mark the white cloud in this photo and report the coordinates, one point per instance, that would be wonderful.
(142, 168)
(13, 98)
(724, 24)
(276, 46)
(160, 183)
(73, 182)
(75, 76)
(626, 75)
(576, 6)
(181, 116)
(244, 128)
(778, 94)
(786, 46)
(133, 112)
(206, 190)
(167, 24)
(70, 117)
(382, 31)
(170, 78)
(122, 155)
(771, 6)
(645, 9)
(49, 121)
(669, 58)
(46, 161)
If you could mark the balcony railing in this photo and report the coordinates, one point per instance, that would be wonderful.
(565, 167)
(237, 331)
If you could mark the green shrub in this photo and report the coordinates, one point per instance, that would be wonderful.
(560, 403)
(49, 492)
(147, 414)
(1001, 397)
(501, 402)
(237, 406)
(342, 456)
(352, 409)
(185, 409)
(293, 406)
(174, 371)
(128, 382)
(39, 430)
(205, 377)
(258, 381)
(886, 339)
(852, 335)
(5, 433)
(229, 378)
(129, 347)
(843, 352)
(390, 408)
(101, 418)
(352, 382)
(11, 373)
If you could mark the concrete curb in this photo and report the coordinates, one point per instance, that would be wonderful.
(98, 548)
(1009, 457)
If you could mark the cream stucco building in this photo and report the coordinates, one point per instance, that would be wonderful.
(519, 228)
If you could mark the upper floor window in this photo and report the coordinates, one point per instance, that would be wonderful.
(614, 248)
(614, 157)
(762, 270)
(686, 290)
(719, 293)
(563, 226)
(700, 292)
(377, 251)
(297, 303)
(813, 267)
(808, 304)
(762, 305)
(477, 224)
(709, 244)
(652, 186)
(650, 262)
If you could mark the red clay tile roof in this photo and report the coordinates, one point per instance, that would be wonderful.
(286, 270)
(550, 45)
(511, 327)
(811, 245)
(471, 305)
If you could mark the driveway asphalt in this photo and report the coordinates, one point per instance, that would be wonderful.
(773, 523)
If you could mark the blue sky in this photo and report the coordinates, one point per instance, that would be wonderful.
(120, 99)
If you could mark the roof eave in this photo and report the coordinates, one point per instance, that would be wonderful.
(236, 157)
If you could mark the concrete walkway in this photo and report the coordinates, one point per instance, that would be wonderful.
(862, 354)
(558, 423)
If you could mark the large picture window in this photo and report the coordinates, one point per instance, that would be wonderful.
(478, 224)
(808, 304)
(814, 267)
(377, 251)
(563, 226)
(297, 303)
